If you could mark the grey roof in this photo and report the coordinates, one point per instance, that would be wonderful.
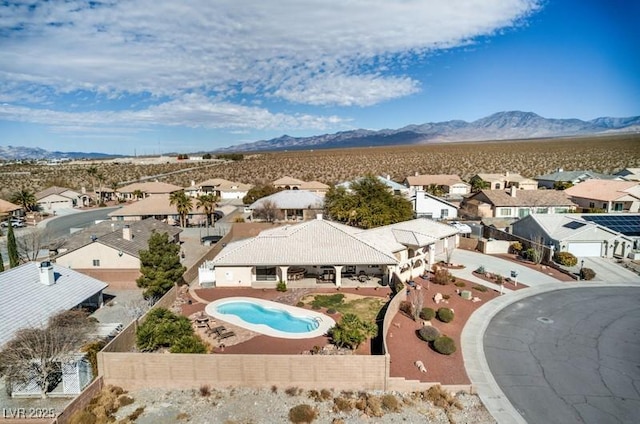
(417, 232)
(389, 183)
(110, 234)
(316, 242)
(564, 227)
(574, 175)
(26, 302)
(292, 199)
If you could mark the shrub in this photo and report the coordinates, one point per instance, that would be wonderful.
(480, 288)
(162, 328)
(391, 403)
(444, 345)
(441, 398)
(516, 247)
(446, 296)
(427, 314)
(302, 414)
(325, 394)
(331, 311)
(445, 314)
(532, 254)
(281, 286)
(499, 279)
(428, 333)
(441, 276)
(341, 404)
(189, 344)
(293, 391)
(300, 304)
(565, 258)
(205, 390)
(460, 284)
(587, 274)
(407, 308)
(480, 270)
(328, 301)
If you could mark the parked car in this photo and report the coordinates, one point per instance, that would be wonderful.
(15, 222)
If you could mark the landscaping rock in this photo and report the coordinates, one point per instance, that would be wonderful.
(437, 298)
(465, 294)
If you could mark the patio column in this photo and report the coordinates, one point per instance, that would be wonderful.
(338, 269)
(432, 255)
(283, 273)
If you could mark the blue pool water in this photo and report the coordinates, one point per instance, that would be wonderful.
(277, 319)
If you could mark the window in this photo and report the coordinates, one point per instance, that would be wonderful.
(604, 206)
(618, 206)
(505, 211)
(592, 205)
(96, 262)
(444, 213)
(266, 273)
(497, 187)
(542, 210)
(523, 212)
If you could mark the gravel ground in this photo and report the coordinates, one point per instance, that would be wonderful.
(254, 406)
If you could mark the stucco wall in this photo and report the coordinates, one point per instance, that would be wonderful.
(233, 276)
(108, 257)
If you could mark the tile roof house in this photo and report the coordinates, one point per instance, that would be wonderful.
(451, 184)
(517, 203)
(394, 187)
(316, 187)
(110, 250)
(326, 251)
(8, 208)
(33, 292)
(147, 189)
(157, 206)
(291, 205)
(573, 177)
(54, 199)
(606, 195)
(570, 233)
(224, 189)
(506, 180)
(288, 183)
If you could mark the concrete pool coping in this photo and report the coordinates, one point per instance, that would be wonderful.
(325, 322)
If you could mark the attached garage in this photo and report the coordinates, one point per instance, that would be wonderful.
(585, 249)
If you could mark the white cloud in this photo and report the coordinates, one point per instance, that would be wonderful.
(318, 52)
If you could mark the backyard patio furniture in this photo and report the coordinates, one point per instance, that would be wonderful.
(217, 330)
(226, 335)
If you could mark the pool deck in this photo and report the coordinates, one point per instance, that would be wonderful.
(324, 322)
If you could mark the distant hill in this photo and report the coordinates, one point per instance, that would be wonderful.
(36, 153)
(513, 125)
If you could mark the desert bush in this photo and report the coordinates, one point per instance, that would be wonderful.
(444, 345)
(205, 390)
(302, 414)
(565, 258)
(428, 333)
(343, 404)
(445, 314)
(331, 311)
(460, 284)
(480, 270)
(441, 276)
(300, 304)
(406, 308)
(325, 394)
(391, 403)
(189, 344)
(587, 274)
(441, 398)
(281, 286)
(532, 255)
(499, 279)
(480, 288)
(446, 296)
(293, 391)
(427, 314)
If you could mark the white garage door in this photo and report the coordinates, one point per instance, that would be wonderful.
(585, 249)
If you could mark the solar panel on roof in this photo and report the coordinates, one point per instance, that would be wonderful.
(628, 225)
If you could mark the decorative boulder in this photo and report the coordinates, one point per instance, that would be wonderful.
(437, 298)
(466, 294)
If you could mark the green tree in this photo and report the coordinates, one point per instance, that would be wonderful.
(478, 184)
(208, 203)
(435, 190)
(25, 198)
(160, 266)
(12, 247)
(182, 202)
(351, 331)
(367, 204)
(92, 171)
(163, 328)
(1, 264)
(562, 185)
(258, 192)
(138, 194)
(206, 156)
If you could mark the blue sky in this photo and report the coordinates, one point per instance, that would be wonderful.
(153, 76)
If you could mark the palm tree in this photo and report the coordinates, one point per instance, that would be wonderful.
(435, 190)
(138, 194)
(93, 172)
(25, 198)
(182, 202)
(208, 202)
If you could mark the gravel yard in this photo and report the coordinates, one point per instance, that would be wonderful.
(256, 406)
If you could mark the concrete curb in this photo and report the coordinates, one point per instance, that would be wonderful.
(472, 344)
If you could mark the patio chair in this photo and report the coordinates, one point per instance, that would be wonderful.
(217, 330)
(226, 335)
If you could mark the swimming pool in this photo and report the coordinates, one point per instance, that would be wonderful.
(270, 318)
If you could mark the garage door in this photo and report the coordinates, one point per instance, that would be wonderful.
(585, 249)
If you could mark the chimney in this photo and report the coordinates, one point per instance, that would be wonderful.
(126, 233)
(319, 217)
(512, 190)
(47, 277)
(506, 174)
(416, 173)
(560, 170)
(193, 183)
(388, 177)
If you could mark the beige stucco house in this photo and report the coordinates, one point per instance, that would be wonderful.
(507, 180)
(450, 184)
(147, 189)
(606, 195)
(109, 250)
(55, 199)
(321, 251)
(516, 203)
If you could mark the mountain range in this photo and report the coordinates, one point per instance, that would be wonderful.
(514, 125)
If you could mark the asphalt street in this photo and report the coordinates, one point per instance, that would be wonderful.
(569, 356)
